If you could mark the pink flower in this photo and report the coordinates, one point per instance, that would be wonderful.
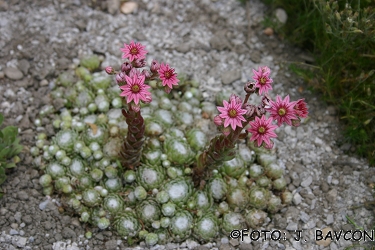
(167, 75)
(135, 89)
(133, 51)
(262, 130)
(232, 113)
(262, 79)
(282, 110)
(301, 109)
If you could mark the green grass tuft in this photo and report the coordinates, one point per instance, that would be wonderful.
(341, 36)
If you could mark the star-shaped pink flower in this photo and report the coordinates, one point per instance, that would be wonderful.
(282, 110)
(261, 130)
(135, 89)
(134, 51)
(167, 75)
(232, 113)
(262, 79)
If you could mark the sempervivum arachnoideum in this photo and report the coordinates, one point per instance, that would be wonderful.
(237, 198)
(258, 197)
(217, 187)
(255, 217)
(232, 221)
(181, 225)
(233, 168)
(148, 211)
(150, 176)
(179, 190)
(66, 139)
(206, 228)
(178, 151)
(127, 224)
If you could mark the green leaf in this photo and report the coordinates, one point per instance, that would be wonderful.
(5, 152)
(1, 118)
(10, 165)
(10, 133)
(2, 175)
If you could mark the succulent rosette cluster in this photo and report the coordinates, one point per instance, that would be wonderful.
(135, 155)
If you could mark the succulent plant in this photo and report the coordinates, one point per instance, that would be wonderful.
(144, 186)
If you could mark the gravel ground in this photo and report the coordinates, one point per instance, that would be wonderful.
(218, 43)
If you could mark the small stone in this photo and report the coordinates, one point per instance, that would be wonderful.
(113, 6)
(225, 247)
(129, 7)
(329, 219)
(327, 241)
(332, 195)
(22, 195)
(230, 76)
(297, 199)
(183, 47)
(268, 31)
(24, 66)
(13, 73)
(307, 181)
(3, 5)
(234, 242)
(13, 232)
(111, 245)
(43, 82)
(68, 233)
(281, 15)
(19, 241)
(191, 244)
(304, 217)
(292, 226)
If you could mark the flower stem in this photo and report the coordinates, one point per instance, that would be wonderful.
(132, 147)
(221, 148)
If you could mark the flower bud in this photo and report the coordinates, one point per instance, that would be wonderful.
(236, 98)
(146, 73)
(250, 109)
(218, 120)
(135, 107)
(109, 70)
(250, 87)
(260, 111)
(120, 78)
(126, 67)
(167, 89)
(296, 122)
(139, 63)
(155, 66)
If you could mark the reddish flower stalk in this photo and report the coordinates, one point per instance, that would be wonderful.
(221, 148)
(131, 150)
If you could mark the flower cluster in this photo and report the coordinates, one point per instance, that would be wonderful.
(132, 80)
(238, 113)
(133, 83)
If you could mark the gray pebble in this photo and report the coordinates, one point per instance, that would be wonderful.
(292, 226)
(306, 182)
(329, 219)
(228, 77)
(68, 233)
(297, 199)
(13, 73)
(22, 195)
(13, 232)
(111, 245)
